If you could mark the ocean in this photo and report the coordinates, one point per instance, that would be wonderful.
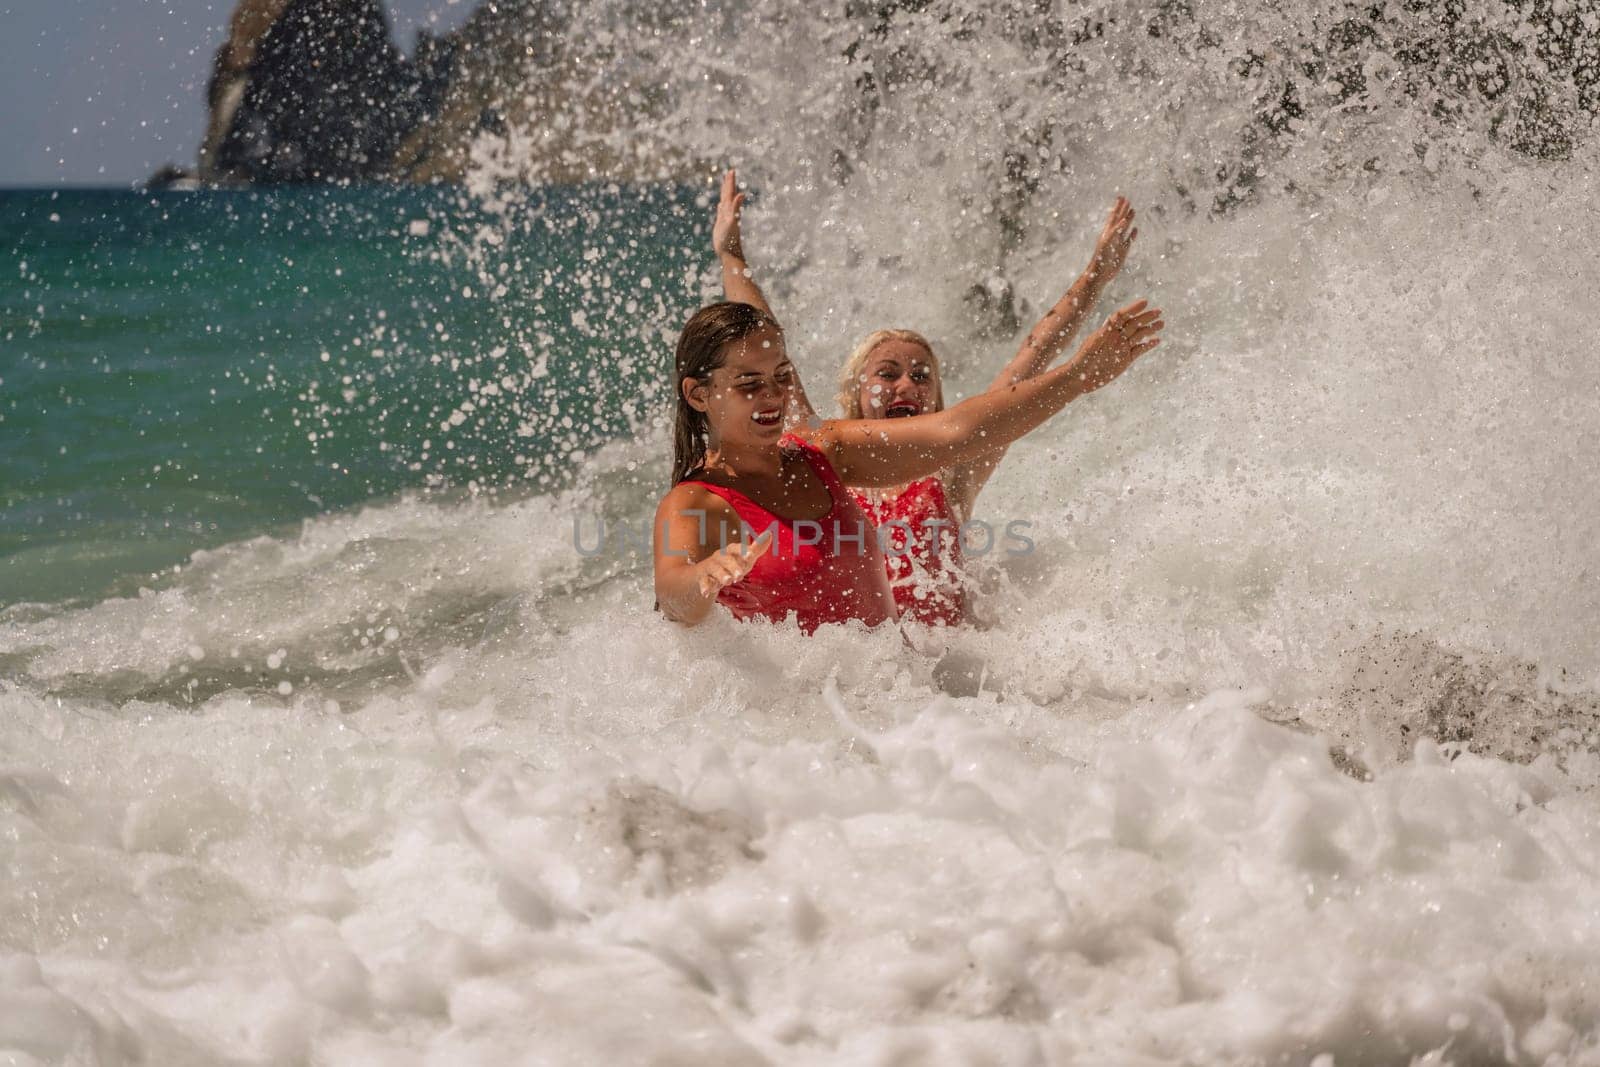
(325, 739)
(185, 370)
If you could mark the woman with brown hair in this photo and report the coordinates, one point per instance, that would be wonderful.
(759, 519)
(895, 374)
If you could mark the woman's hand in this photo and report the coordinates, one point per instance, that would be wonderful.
(1051, 335)
(1129, 333)
(1111, 250)
(1048, 339)
(725, 239)
(729, 564)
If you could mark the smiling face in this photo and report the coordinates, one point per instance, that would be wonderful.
(899, 378)
(744, 399)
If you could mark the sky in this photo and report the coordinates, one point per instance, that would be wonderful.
(103, 92)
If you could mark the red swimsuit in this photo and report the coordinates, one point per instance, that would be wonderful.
(926, 578)
(824, 570)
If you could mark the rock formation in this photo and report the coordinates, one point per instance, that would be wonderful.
(316, 91)
(312, 90)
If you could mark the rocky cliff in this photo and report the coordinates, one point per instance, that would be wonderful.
(543, 90)
(312, 90)
(317, 91)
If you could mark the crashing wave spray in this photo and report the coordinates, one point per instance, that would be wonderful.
(1371, 229)
(499, 798)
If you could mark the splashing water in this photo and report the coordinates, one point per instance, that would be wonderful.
(1279, 748)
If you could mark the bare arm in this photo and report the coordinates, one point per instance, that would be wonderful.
(1048, 338)
(728, 242)
(692, 565)
(739, 285)
(884, 452)
(1051, 334)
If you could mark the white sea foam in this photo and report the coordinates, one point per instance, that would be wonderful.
(542, 822)
(621, 848)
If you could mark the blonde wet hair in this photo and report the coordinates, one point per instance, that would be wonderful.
(850, 373)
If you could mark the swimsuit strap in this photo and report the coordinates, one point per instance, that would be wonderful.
(723, 491)
(838, 495)
(819, 463)
(742, 502)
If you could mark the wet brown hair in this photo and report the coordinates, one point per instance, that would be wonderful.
(700, 351)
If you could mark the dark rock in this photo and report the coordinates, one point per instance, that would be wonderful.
(1404, 687)
(172, 176)
(319, 94)
(679, 846)
(315, 90)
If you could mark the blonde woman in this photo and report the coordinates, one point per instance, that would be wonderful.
(895, 374)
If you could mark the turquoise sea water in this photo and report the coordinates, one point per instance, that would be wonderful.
(182, 370)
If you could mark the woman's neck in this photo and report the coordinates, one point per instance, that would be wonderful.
(759, 461)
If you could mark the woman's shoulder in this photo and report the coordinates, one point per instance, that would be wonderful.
(694, 495)
(686, 496)
(692, 491)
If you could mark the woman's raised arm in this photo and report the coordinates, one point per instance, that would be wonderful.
(885, 452)
(739, 285)
(1049, 336)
